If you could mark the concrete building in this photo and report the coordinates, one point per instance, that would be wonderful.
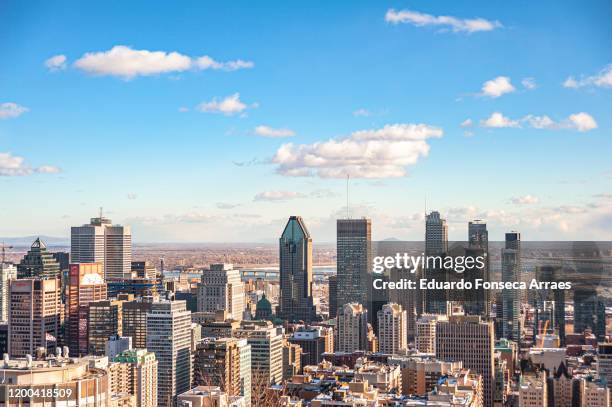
(314, 341)
(134, 320)
(421, 372)
(36, 315)
(266, 350)
(77, 381)
(352, 328)
(426, 332)
(292, 360)
(470, 340)
(209, 396)
(221, 288)
(595, 394)
(102, 242)
(85, 284)
(533, 391)
(143, 269)
(8, 272)
(295, 251)
(392, 329)
(604, 361)
(169, 338)
(138, 376)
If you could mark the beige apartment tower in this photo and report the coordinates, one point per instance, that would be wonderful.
(352, 328)
(392, 329)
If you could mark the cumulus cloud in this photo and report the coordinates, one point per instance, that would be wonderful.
(529, 83)
(362, 113)
(277, 196)
(498, 120)
(602, 79)
(466, 123)
(11, 110)
(229, 105)
(581, 122)
(454, 24)
(377, 153)
(12, 165)
(525, 200)
(127, 63)
(497, 87)
(266, 131)
(56, 63)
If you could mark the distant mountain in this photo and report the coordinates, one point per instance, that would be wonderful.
(27, 240)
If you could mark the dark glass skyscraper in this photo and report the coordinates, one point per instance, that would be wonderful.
(436, 244)
(38, 262)
(511, 299)
(295, 246)
(354, 259)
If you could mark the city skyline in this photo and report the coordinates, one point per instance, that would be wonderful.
(200, 133)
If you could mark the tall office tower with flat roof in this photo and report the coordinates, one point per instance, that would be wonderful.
(169, 337)
(295, 252)
(354, 262)
(102, 242)
(436, 244)
(511, 299)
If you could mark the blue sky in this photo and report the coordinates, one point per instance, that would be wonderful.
(129, 117)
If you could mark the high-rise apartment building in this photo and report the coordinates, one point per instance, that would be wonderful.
(292, 360)
(426, 332)
(604, 361)
(8, 272)
(140, 375)
(105, 320)
(36, 315)
(266, 350)
(392, 329)
(436, 244)
(511, 299)
(354, 261)
(224, 362)
(102, 242)
(221, 288)
(169, 337)
(295, 252)
(352, 328)
(533, 391)
(470, 340)
(314, 341)
(38, 262)
(85, 284)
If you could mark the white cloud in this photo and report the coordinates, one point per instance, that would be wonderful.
(132, 196)
(498, 120)
(226, 205)
(266, 131)
(11, 110)
(525, 200)
(455, 24)
(12, 165)
(466, 123)
(581, 122)
(183, 109)
(230, 105)
(127, 63)
(497, 87)
(602, 79)
(207, 62)
(362, 113)
(56, 63)
(378, 153)
(277, 196)
(529, 83)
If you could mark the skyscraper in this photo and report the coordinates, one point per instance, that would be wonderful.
(38, 262)
(511, 299)
(436, 244)
(352, 328)
(221, 288)
(169, 337)
(266, 351)
(8, 272)
(105, 320)
(478, 238)
(36, 315)
(332, 295)
(102, 242)
(141, 375)
(354, 261)
(392, 329)
(85, 284)
(134, 322)
(295, 250)
(470, 340)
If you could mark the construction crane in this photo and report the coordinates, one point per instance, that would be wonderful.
(543, 333)
(4, 247)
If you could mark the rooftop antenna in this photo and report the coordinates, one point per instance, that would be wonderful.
(100, 212)
(347, 196)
